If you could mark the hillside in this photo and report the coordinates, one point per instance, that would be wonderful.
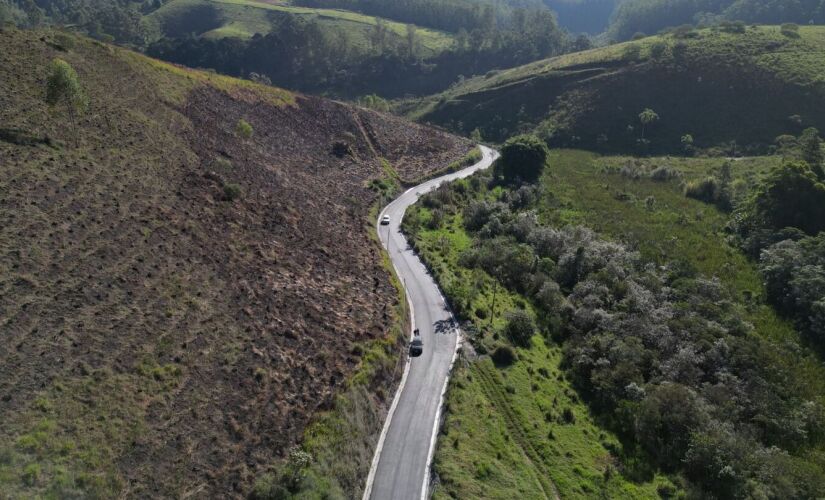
(621, 347)
(651, 16)
(715, 85)
(181, 295)
(245, 18)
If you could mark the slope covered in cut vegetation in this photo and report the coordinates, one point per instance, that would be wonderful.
(723, 89)
(187, 277)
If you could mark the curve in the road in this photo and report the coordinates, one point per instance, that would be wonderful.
(401, 464)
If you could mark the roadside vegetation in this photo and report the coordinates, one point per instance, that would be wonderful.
(659, 363)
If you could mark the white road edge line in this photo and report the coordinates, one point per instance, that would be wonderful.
(380, 445)
(437, 424)
(433, 438)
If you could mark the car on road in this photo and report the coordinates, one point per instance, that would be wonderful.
(385, 220)
(416, 345)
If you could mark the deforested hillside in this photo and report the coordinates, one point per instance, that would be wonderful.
(187, 274)
(730, 87)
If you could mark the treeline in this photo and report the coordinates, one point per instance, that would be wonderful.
(662, 354)
(782, 225)
(110, 20)
(649, 17)
(299, 54)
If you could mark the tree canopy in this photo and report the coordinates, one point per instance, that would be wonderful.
(791, 196)
(522, 157)
(63, 89)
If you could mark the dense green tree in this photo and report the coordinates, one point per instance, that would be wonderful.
(5, 13)
(522, 157)
(794, 273)
(647, 116)
(791, 196)
(34, 12)
(665, 419)
(412, 41)
(519, 328)
(811, 150)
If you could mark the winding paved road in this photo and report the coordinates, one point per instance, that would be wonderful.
(400, 467)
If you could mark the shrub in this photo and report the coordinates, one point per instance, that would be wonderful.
(790, 30)
(231, 192)
(520, 328)
(374, 101)
(243, 129)
(631, 52)
(568, 416)
(663, 173)
(341, 149)
(732, 26)
(658, 49)
(504, 355)
(222, 164)
(30, 474)
(705, 190)
(64, 41)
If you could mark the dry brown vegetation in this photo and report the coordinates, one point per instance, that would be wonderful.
(156, 336)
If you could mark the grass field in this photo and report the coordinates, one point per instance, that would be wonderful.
(244, 18)
(504, 433)
(504, 429)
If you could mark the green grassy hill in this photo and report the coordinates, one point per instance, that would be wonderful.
(245, 18)
(530, 426)
(716, 86)
(178, 300)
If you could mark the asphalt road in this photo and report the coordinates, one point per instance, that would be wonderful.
(400, 469)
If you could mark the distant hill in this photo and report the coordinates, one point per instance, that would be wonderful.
(181, 294)
(245, 18)
(651, 16)
(717, 86)
(350, 53)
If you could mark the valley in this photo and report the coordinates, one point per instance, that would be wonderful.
(334, 249)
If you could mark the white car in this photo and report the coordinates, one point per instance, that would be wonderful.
(385, 220)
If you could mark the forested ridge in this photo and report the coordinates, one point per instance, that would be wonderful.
(651, 16)
(390, 65)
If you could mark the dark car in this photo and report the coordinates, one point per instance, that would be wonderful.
(416, 345)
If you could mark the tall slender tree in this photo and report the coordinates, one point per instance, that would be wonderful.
(63, 89)
(647, 116)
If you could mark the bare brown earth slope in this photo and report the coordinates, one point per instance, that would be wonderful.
(176, 301)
